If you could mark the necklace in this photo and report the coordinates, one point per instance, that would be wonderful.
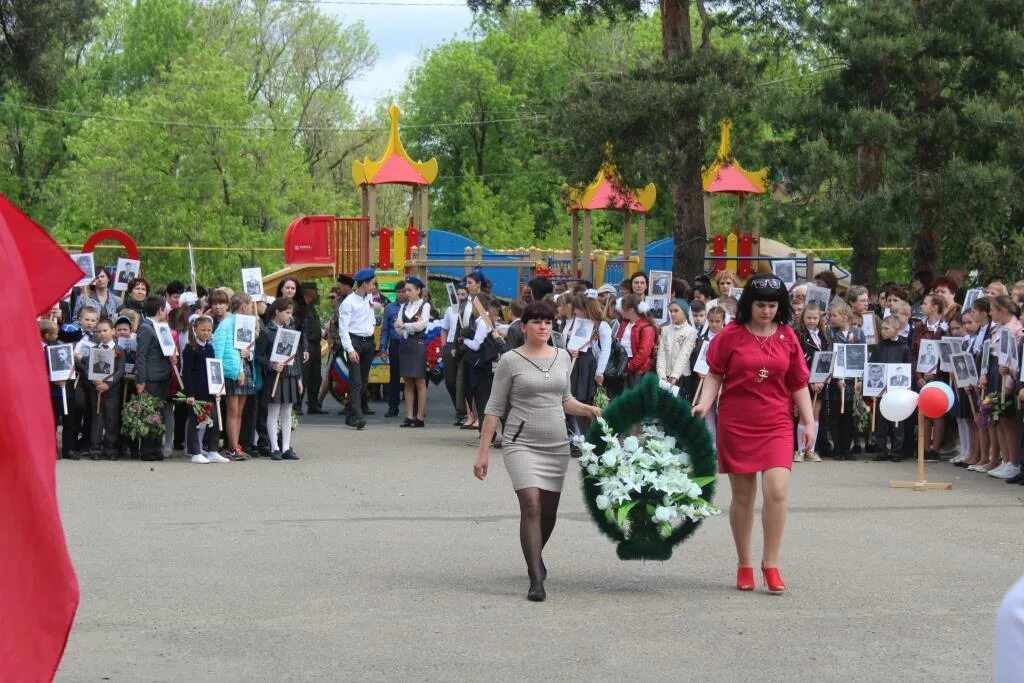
(547, 370)
(766, 346)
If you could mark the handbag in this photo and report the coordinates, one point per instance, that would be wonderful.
(617, 361)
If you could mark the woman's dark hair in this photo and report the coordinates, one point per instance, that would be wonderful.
(175, 287)
(153, 304)
(982, 304)
(925, 277)
(765, 288)
(218, 296)
(299, 306)
(631, 302)
(135, 282)
(280, 304)
(680, 288)
(637, 274)
(178, 319)
(705, 290)
(828, 280)
(538, 310)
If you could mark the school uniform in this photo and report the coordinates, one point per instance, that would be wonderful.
(106, 422)
(287, 391)
(356, 323)
(811, 342)
(153, 370)
(199, 439)
(890, 437)
(674, 351)
(840, 422)
(77, 432)
(450, 326)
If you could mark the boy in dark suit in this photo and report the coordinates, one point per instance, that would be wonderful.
(153, 370)
(106, 399)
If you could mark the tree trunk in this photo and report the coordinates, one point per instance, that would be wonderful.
(688, 229)
(864, 238)
(687, 191)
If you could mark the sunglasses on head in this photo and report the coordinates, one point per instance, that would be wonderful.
(767, 283)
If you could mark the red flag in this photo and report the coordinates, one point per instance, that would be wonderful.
(38, 589)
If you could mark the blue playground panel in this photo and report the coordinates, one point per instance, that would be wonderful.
(448, 246)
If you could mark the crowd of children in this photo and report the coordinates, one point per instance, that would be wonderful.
(610, 332)
(90, 397)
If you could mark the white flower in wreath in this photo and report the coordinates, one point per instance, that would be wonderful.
(631, 444)
(609, 458)
(592, 469)
(602, 501)
(664, 513)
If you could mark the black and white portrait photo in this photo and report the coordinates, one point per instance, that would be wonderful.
(785, 271)
(657, 308)
(101, 363)
(214, 375)
(252, 281)
(819, 295)
(245, 331)
(163, 336)
(961, 361)
(127, 270)
(62, 361)
(86, 264)
(874, 379)
(928, 356)
(661, 282)
(856, 360)
(821, 366)
(285, 346)
(898, 375)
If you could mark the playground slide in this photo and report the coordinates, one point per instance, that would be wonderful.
(299, 272)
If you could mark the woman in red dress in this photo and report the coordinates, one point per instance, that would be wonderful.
(759, 366)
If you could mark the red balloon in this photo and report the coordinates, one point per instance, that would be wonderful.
(933, 402)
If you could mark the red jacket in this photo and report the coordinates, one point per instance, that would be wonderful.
(642, 338)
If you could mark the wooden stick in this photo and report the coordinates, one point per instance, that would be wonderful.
(920, 446)
(700, 385)
(273, 392)
(814, 401)
(64, 397)
(842, 398)
(181, 384)
(874, 406)
(99, 400)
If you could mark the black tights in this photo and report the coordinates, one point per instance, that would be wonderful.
(537, 509)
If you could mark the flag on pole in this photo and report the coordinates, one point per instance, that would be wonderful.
(38, 589)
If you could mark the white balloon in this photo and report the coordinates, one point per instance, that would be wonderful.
(898, 404)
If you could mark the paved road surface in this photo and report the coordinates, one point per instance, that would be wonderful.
(378, 557)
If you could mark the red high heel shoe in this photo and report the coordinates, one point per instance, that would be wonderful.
(773, 579)
(745, 579)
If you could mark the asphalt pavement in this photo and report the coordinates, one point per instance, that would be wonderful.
(378, 557)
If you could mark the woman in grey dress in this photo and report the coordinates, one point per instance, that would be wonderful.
(531, 396)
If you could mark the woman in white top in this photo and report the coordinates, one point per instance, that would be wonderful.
(411, 322)
(675, 347)
(587, 326)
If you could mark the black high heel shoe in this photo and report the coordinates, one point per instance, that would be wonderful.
(536, 592)
(408, 422)
(419, 423)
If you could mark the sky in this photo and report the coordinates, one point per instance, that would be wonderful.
(400, 32)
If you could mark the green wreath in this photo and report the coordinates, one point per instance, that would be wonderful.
(645, 401)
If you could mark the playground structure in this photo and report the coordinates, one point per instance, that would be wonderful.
(608, 193)
(324, 246)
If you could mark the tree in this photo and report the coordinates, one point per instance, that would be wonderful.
(657, 113)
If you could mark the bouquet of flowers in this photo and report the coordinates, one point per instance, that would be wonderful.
(601, 399)
(990, 409)
(648, 487)
(203, 409)
(647, 473)
(142, 417)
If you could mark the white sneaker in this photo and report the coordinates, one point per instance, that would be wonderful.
(200, 459)
(1005, 471)
(958, 459)
(798, 456)
(214, 456)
